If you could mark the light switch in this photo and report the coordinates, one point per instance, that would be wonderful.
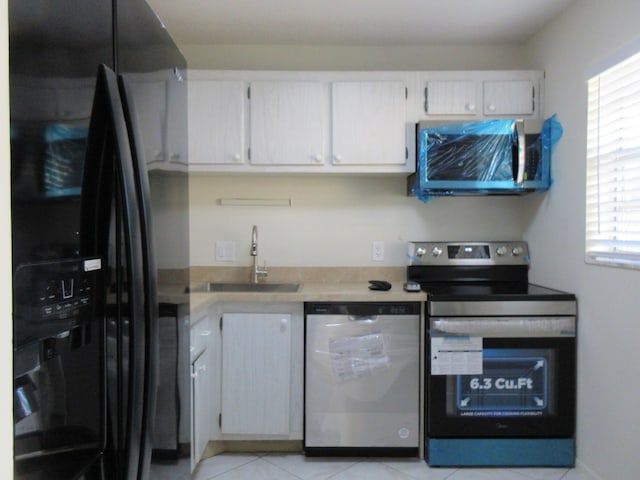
(225, 251)
(377, 251)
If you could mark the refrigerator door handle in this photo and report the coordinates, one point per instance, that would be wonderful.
(109, 173)
(149, 268)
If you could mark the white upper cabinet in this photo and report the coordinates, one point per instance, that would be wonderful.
(52, 99)
(287, 123)
(150, 108)
(509, 97)
(177, 125)
(368, 123)
(216, 122)
(339, 122)
(476, 95)
(451, 97)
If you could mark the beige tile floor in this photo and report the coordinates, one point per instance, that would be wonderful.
(277, 466)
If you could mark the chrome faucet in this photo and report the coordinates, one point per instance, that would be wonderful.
(256, 272)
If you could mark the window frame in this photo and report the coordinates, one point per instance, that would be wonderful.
(607, 250)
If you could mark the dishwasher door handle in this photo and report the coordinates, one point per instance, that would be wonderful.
(363, 318)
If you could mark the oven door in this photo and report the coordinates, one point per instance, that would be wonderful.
(501, 377)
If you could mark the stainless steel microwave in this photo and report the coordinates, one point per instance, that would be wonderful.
(488, 157)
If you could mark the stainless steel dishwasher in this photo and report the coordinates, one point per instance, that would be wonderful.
(362, 378)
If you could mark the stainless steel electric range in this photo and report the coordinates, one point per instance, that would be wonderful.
(501, 357)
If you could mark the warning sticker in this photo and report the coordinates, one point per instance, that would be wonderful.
(456, 355)
(359, 356)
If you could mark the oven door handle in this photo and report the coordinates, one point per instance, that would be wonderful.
(504, 326)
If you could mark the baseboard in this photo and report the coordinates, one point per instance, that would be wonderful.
(251, 446)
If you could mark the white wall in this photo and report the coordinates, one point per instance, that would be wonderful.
(609, 300)
(306, 57)
(6, 351)
(333, 220)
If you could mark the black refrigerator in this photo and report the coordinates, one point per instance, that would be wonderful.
(98, 128)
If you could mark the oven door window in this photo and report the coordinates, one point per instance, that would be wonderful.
(527, 388)
(514, 383)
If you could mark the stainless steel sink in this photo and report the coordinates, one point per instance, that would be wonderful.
(250, 287)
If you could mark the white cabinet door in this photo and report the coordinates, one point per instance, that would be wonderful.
(201, 413)
(149, 104)
(75, 103)
(451, 97)
(216, 122)
(287, 123)
(368, 123)
(509, 97)
(256, 373)
(176, 127)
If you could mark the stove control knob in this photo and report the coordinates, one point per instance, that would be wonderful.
(501, 250)
(517, 251)
(436, 252)
(420, 251)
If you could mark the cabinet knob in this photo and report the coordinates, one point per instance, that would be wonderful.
(471, 107)
(491, 107)
(338, 158)
(317, 158)
(237, 157)
(283, 324)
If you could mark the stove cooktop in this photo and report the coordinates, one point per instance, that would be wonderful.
(510, 291)
(476, 271)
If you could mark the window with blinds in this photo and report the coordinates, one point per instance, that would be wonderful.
(613, 166)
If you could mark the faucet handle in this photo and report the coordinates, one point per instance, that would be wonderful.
(262, 272)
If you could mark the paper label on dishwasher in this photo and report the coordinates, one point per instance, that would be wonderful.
(358, 356)
(456, 355)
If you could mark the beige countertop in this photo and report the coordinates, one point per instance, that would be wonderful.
(308, 292)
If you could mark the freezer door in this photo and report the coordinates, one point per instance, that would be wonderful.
(362, 380)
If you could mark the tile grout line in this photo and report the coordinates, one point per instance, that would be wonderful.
(229, 470)
(265, 457)
(356, 462)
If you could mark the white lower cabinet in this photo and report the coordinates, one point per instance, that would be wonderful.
(201, 349)
(246, 374)
(261, 372)
(201, 412)
(256, 369)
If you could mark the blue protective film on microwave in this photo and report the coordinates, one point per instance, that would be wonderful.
(550, 135)
(477, 158)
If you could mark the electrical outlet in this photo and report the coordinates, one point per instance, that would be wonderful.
(225, 251)
(377, 251)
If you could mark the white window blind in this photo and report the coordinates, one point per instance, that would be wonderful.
(613, 166)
